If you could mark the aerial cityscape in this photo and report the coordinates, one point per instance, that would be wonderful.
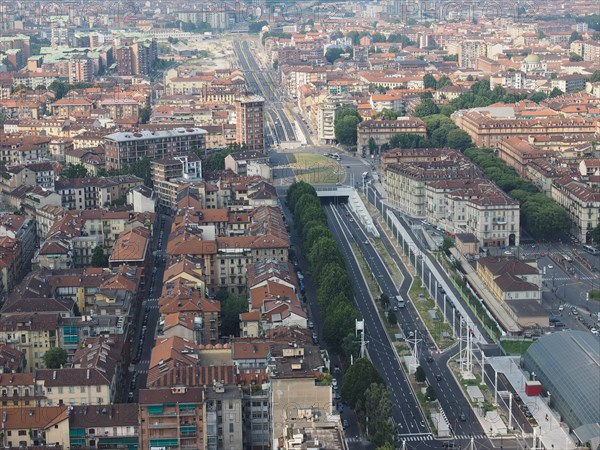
(300, 225)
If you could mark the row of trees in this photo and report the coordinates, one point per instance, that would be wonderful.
(441, 132)
(540, 215)
(363, 388)
(365, 392)
(327, 267)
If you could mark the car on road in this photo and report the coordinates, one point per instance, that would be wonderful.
(574, 311)
(429, 359)
(438, 377)
(508, 252)
(311, 325)
(334, 383)
(130, 397)
(315, 338)
(345, 423)
(561, 307)
(550, 266)
(340, 408)
(462, 417)
(366, 242)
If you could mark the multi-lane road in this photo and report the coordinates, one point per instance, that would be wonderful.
(280, 128)
(407, 412)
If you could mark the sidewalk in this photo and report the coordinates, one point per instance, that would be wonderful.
(551, 432)
(484, 293)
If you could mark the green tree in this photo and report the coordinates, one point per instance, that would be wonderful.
(338, 323)
(391, 317)
(333, 53)
(420, 376)
(538, 97)
(458, 140)
(447, 244)
(55, 358)
(143, 169)
(555, 93)
(333, 281)
(357, 379)
(387, 446)
(323, 252)
(256, 27)
(430, 394)
(372, 146)
(346, 130)
(574, 57)
(595, 235)
(426, 108)
(575, 36)
(429, 81)
(443, 81)
(75, 171)
(231, 308)
(595, 76)
(376, 415)
(99, 258)
(385, 300)
(387, 114)
(145, 115)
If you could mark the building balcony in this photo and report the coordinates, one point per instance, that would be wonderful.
(162, 425)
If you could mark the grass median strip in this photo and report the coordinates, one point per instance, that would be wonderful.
(364, 267)
(424, 304)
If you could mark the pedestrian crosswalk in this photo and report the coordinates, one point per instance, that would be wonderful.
(429, 437)
(416, 437)
(469, 436)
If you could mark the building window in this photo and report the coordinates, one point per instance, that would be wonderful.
(231, 428)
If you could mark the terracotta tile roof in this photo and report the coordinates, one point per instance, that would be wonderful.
(31, 418)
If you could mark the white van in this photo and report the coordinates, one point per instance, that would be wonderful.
(400, 301)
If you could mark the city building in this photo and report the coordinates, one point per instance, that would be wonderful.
(242, 163)
(488, 127)
(373, 134)
(582, 204)
(569, 355)
(129, 147)
(250, 122)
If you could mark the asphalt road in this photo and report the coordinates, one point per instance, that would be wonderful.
(407, 412)
(260, 82)
(144, 337)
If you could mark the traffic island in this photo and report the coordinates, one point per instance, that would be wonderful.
(430, 314)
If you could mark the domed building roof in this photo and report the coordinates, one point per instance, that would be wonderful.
(532, 59)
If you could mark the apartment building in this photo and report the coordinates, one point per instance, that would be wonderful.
(95, 192)
(34, 427)
(32, 334)
(167, 172)
(373, 134)
(18, 390)
(487, 131)
(71, 107)
(406, 177)
(570, 83)
(74, 387)
(250, 122)
(474, 206)
(39, 174)
(19, 149)
(110, 426)
(182, 417)
(518, 153)
(582, 204)
(22, 229)
(242, 162)
(591, 51)
(129, 147)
